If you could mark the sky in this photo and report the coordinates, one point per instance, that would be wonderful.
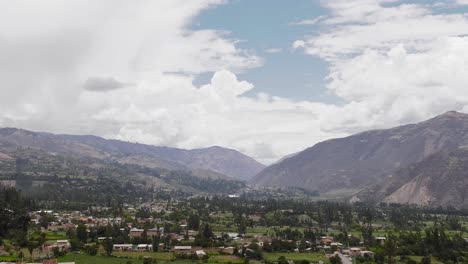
(265, 77)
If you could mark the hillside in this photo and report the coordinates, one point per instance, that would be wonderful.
(367, 158)
(438, 180)
(219, 160)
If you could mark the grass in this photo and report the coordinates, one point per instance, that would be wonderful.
(86, 259)
(313, 257)
(418, 259)
(225, 259)
(136, 254)
(162, 258)
(55, 235)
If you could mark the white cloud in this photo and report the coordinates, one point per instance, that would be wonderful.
(273, 50)
(125, 70)
(391, 63)
(312, 21)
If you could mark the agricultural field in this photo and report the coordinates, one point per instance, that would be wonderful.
(312, 257)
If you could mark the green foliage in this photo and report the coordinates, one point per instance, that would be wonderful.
(193, 222)
(335, 260)
(81, 233)
(14, 219)
(426, 260)
(108, 246)
(282, 260)
(148, 260)
(91, 250)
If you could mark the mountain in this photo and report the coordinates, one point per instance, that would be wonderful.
(218, 160)
(369, 158)
(438, 180)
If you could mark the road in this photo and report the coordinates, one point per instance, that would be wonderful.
(344, 259)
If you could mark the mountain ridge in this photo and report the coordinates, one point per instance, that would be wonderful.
(225, 161)
(360, 160)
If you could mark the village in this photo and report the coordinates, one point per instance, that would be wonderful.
(160, 230)
(232, 229)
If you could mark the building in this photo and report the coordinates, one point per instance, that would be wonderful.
(381, 240)
(145, 247)
(354, 251)
(367, 252)
(227, 250)
(152, 232)
(183, 249)
(326, 240)
(135, 232)
(123, 247)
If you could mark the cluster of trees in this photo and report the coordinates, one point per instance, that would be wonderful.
(14, 217)
(207, 185)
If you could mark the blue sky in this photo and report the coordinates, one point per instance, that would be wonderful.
(268, 24)
(198, 73)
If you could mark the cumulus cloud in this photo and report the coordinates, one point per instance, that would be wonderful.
(124, 69)
(391, 63)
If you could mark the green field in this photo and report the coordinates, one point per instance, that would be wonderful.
(86, 259)
(136, 258)
(313, 257)
(136, 254)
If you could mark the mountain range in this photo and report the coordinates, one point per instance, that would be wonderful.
(213, 160)
(423, 163)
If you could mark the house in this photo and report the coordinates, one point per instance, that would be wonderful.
(354, 251)
(233, 235)
(123, 247)
(101, 239)
(144, 247)
(367, 252)
(336, 244)
(326, 240)
(62, 244)
(153, 232)
(135, 232)
(228, 250)
(381, 240)
(183, 249)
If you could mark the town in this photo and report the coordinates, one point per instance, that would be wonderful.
(237, 229)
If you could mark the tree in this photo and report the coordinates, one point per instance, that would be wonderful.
(367, 228)
(31, 246)
(335, 260)
(148, 260)
(21, 255)
(426, 260)
(41, 240)
(390, 248)
(155, 242)
(207, 231)
(82, 233)
(282, 260)
(193, 222)
(108, 246)
(92, 250)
